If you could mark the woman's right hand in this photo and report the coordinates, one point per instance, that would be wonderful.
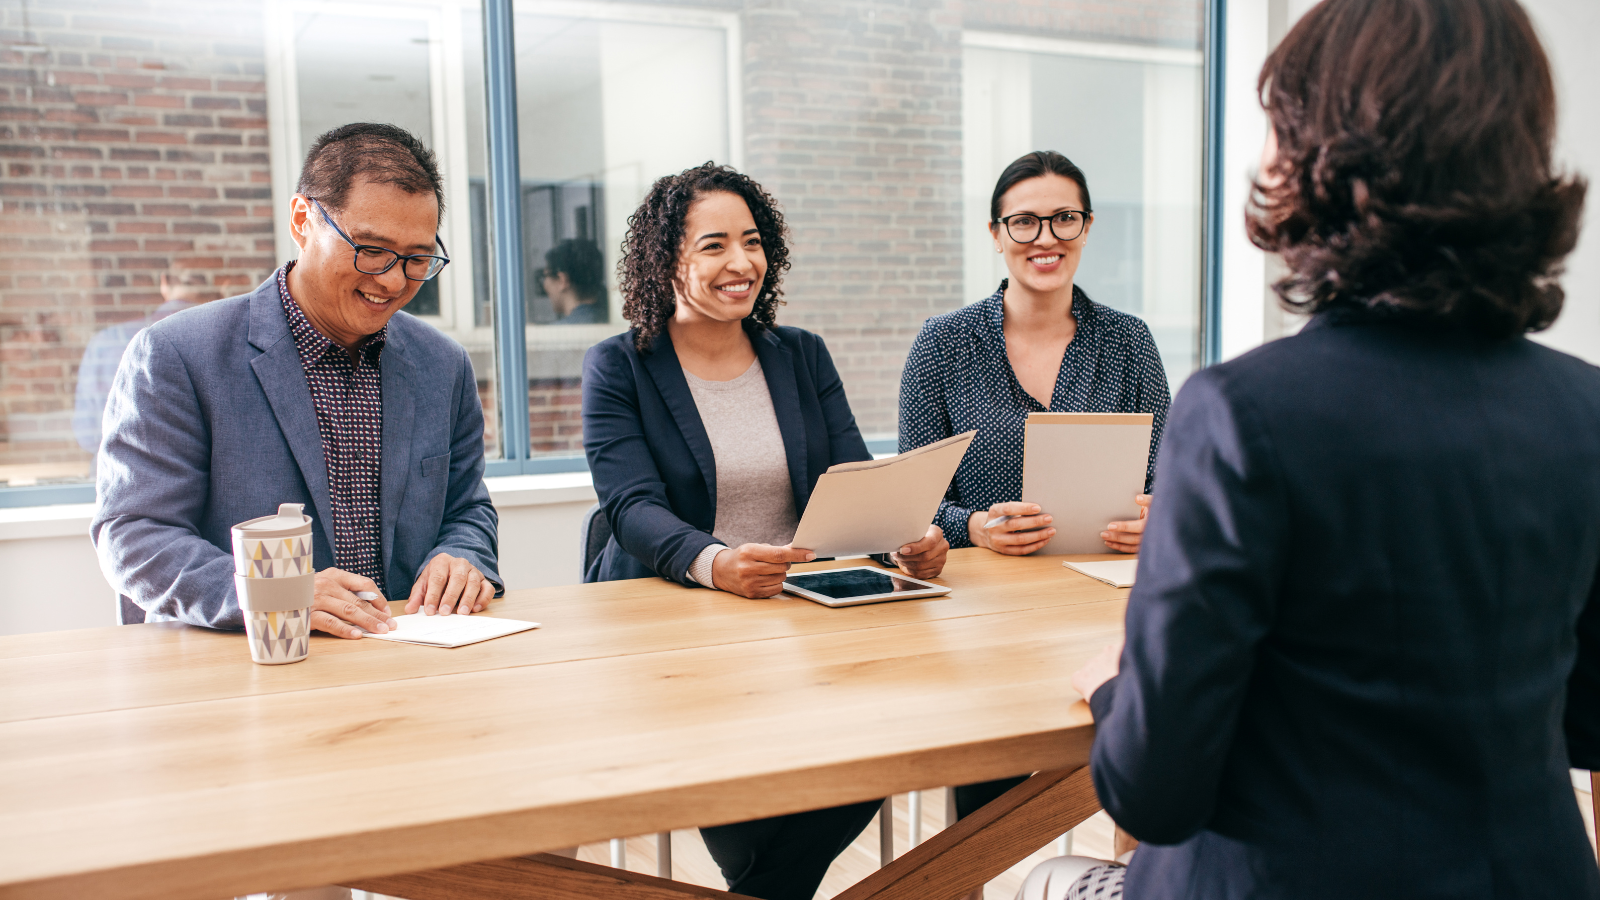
(755, 570)
(1026, 531)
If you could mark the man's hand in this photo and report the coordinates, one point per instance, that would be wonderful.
(1024, 532)
(450, 584)
(1124, 537)
(336, 610)
(924, 558)
(755, 570)
(1098, 671)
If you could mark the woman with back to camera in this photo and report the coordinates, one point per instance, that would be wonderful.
(1364, 645)
(706, 427)
(1037, 344)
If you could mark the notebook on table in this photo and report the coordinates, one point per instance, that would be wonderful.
(450, 631)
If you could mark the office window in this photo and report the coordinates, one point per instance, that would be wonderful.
(1129, 117)
(150, 149)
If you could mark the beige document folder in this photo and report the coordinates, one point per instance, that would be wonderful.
(879, 505)
(1084, 469)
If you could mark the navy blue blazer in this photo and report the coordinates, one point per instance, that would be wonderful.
(1367, 603)
(210, 423)
(651, 459)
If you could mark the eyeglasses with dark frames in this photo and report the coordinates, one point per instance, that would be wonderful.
(374, 260)
(1025, 228)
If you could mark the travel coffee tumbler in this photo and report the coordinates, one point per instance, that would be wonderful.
(275, 580)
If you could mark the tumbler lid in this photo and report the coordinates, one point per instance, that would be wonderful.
(289, 521)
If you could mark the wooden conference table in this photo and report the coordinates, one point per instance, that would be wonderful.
(157, 761)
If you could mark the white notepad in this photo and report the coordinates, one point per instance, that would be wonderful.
(1115, 572)
(450, 631)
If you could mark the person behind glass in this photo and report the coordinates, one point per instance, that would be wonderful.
(574, 279)
(706, 427)
(1359, 658)
(1037, 343)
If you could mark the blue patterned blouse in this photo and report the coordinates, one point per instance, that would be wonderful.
(958, 378)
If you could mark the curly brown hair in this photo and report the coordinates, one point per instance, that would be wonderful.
(1414, 165)
(655, 235)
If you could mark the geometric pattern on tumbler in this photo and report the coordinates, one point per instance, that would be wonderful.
(279, 636)
(280, 558)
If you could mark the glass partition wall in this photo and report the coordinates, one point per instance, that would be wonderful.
(151, 147)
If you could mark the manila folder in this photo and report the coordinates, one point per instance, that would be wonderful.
(879, 505)
(1084, 469)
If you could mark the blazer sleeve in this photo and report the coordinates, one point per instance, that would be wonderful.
(1203, 602)
(845, 443)
(629, 485)
(470, 527)
(1583, 689)
(924, 419)
(152, 487)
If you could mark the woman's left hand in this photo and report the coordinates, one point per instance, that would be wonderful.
(1124, 537)
(1097, 671)
(925, 558)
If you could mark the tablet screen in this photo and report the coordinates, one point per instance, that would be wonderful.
(845, 583)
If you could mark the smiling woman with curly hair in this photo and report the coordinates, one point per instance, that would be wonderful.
(707, 426)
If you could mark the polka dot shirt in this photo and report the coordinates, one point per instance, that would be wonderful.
(958, 378)
(348, 398)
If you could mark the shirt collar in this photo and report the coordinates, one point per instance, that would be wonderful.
(995, 308)
(313, 344)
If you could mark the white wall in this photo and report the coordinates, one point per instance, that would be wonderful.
(1569, 29)
(53, 580)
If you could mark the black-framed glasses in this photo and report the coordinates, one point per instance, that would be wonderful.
(1025, 228)
(374, 260)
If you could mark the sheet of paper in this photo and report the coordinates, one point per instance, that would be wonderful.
(880, 505)
(451, 631)
(1115, 572)
(1084, 469)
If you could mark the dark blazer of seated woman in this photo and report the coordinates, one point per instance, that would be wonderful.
(651, 458)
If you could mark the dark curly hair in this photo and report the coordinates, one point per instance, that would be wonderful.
(655, 234)
(1414, 152)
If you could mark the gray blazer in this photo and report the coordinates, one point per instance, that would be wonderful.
(210, 423)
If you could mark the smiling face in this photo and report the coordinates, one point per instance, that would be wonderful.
(1047, 265)
(342, 303)
(721, 263)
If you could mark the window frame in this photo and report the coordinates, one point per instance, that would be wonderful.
(450, 137)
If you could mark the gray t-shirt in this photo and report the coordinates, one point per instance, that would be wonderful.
(755, 500)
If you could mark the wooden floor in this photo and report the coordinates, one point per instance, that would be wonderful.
(691, 863)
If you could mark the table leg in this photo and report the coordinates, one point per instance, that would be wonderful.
(537, 877)
(974, 850)
(886, 832)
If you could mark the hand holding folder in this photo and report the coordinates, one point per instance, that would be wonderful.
(879, 505)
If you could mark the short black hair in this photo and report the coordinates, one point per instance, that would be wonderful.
(386, 154)
(655, 231)
(1034, 165)
(582, 263)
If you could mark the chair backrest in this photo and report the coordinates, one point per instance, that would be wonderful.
(592, 537)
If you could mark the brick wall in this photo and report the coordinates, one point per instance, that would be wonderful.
(135, 144)
(853, 121)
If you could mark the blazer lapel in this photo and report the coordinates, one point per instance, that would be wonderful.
(283, 380)
(665, 370)
(777, 366)
(399, 402)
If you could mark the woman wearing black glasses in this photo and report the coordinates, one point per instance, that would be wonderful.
(1037, 344)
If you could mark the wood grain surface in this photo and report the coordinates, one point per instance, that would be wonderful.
(157, 761)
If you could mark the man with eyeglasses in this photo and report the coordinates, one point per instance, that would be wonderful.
(308, 390)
